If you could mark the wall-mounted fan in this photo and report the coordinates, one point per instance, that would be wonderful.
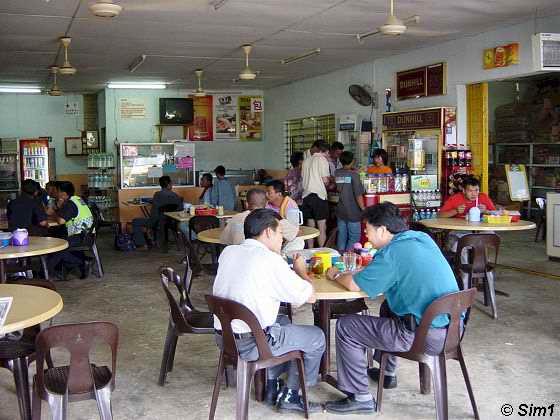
(363, 95)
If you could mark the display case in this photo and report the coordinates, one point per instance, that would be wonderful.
(34, 155)
(142, 164)
(9, 172)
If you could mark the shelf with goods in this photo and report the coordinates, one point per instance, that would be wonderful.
(101, 183)
(300, 133)
(542, 161)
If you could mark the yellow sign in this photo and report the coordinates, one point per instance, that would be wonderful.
(501, 56)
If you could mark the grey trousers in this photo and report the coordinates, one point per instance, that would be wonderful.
(282, 338)
(356, 333)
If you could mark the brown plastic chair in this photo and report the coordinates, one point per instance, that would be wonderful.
(165, 225)
(183, 318)
(81, 380)
(453, 304)
(478, 267)
(198, 224)
(227, 310)
(16, 356)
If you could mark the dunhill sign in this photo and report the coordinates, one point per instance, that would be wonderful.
(429, 118)
(422, 81)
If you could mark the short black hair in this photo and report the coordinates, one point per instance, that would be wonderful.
(208, 177)
(164, 181)
(53, 184)
(382, 153)
(277, 185)
(337, 146)
(220, 170)
(258, 221)
(385, 214)
(67, 187)
(472, 181)
(28, 186)
(322, 145)
(346, 158)
(296, 158)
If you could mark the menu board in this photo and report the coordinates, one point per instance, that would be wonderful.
(226, 117)
(250, 118)
(202, 127)
(517, 181)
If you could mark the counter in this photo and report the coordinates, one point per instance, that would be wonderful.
(553, 225)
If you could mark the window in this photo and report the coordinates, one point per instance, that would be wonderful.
(299, 134)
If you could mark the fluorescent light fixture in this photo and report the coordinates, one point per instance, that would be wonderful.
(118, 85)
(138, 61)
(20, 89)
(301, 56)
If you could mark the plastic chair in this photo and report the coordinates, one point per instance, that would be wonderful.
(166, 224)
(196, 225)
(454, 305)
(227, 310)
(16, 356)
(81, 380)
(183, 318)
(541, 222)
(479, 268)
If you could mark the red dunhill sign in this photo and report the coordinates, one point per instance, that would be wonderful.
(430, 118)
(422, 81)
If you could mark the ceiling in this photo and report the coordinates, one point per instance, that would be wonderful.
(179, 36)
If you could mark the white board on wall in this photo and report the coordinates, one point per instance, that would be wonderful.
(517, 181)
(132, 108)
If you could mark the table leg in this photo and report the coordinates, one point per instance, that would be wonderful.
(324, 324)
(2, 271)
(21, 378)
(45, 267)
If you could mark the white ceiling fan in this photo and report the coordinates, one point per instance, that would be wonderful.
(54, 90)
(66, 69)
(247, 73)
(393, 26)
(199, 91)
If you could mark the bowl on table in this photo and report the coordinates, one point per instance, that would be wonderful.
(5, 239)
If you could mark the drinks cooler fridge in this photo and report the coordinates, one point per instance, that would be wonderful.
(34, 156)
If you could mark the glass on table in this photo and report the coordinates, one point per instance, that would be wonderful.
(350, 261)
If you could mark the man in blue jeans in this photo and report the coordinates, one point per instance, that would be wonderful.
(350, 203)
(411, 272)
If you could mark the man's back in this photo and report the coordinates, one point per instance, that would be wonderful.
(163, 198)
(223, 194)
(24, 212)
(315, 168)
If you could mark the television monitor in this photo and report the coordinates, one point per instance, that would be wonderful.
(175, 111)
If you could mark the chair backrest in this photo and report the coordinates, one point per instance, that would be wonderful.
(178, 308)
(541, 202)
(478, 243)
(199, 223)
(453, 305)
(167, 208)
(227, 311)
(78, 339)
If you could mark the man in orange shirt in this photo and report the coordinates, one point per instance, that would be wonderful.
(458, 205)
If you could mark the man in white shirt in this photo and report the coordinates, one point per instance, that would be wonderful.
(316, 176)
(255, 275)
(256, 199)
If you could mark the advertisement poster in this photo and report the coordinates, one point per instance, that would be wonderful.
(132, 108)
(226, 117)
(202, 127)
(250, 118)
(501, 56)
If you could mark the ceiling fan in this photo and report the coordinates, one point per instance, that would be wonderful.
(199, 91)
(393, 26)
(54, 90)
(66, 69)
(247, 73)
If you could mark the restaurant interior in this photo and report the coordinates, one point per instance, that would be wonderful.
(139, 137)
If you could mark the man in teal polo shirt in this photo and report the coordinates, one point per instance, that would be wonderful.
(411, 272)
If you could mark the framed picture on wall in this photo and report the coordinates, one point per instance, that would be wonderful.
(73, 146)
(92, 140)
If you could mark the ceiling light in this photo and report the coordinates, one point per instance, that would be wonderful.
(118, 85)
(20, 89)
(105, 9)
(54, 90)
(137, 63)
(301, 56)
(66, 69)
(247, 73)
(199, 91)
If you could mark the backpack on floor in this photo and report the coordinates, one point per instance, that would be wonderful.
(123, 241)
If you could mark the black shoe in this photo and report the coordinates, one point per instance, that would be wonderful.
(273, 388)
(351, 406)
(85, 267)
(289, 400)
(389, 382)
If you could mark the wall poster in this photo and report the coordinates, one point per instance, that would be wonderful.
(250, 118)
(202, 127)
(226, 117)
(132, 108)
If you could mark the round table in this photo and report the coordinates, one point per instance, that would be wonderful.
(38, 246)
(462, 224)
(182, 216)
(30, 306)
(212, 236)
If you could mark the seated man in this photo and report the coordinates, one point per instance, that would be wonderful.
(24, 212)
(75, 216)
(52, 193)
(410, 270)
(162, 198)
(278, 200)
(261, 282)
(223, 193)
(458, 205)
(206, 183)
(256, 199)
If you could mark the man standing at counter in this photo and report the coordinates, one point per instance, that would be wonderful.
(411, 272)
(223, 193)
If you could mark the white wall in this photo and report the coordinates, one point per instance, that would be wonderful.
(42, 115)
(328, 93)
